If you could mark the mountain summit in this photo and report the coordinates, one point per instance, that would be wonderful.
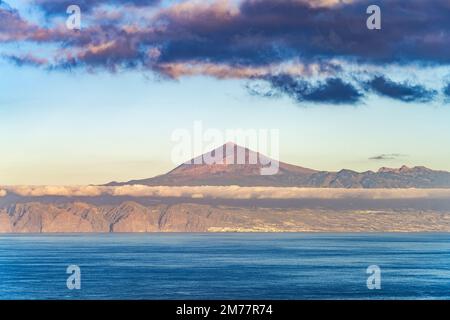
(235, 160)
(229, 164)
(232, 164)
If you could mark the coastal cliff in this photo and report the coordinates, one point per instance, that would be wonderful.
(129, 216)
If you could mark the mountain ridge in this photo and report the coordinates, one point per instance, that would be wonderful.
(132, 217)
(222, 167)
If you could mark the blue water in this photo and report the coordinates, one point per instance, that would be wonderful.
(225, 266)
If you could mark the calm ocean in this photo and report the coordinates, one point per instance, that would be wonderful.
(225, 266)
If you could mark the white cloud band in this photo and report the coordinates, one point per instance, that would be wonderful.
(224, 192)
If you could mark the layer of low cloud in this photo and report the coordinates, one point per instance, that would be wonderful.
(224, 192)
(313, 46)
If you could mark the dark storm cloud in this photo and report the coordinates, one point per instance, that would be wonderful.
(26, 60)
(59, 7)
(259, 32)
(266, 31)
(330, 91)
(338, 91)
(12, 26)
(400, 91)
(246, 39)
(263, 30)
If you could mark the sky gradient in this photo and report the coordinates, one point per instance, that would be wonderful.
(100, 104)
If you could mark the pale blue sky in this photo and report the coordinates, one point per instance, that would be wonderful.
(78, 128)
(81, 127)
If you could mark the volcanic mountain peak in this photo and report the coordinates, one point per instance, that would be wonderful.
(229, 153)
(404, 169)
(232, 164)
(231, 158)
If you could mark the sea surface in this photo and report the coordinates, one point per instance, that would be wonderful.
(225, 266)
